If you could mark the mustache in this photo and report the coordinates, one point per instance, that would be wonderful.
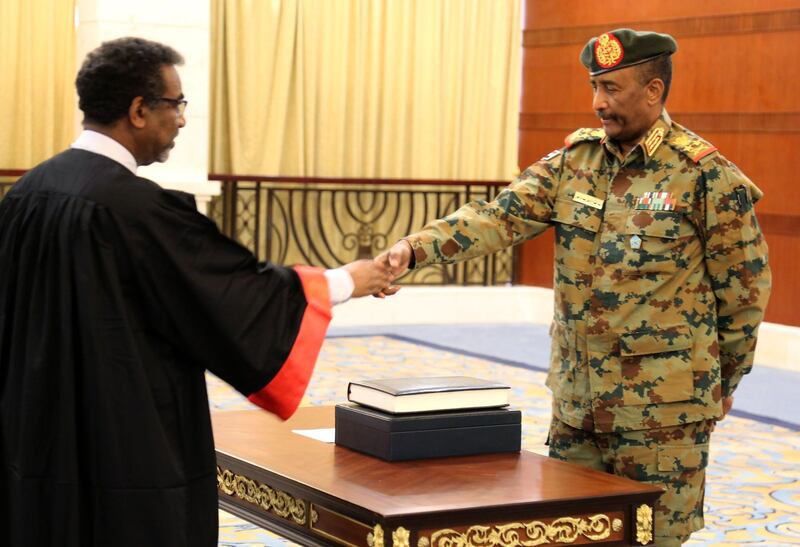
(604, 116)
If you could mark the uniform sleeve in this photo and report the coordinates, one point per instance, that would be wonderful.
(257, 326)
(736, 258)
(520, 212)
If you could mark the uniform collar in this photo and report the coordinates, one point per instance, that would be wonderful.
(656, 135)
(92, 141)
(649, 143)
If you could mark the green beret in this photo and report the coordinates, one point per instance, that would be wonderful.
(624, 47)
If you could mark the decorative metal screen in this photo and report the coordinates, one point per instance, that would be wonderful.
(328, 223)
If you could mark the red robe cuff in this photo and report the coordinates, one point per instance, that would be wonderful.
(283, 393)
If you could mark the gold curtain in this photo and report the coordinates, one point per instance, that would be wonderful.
(37, 63)
(365, 88)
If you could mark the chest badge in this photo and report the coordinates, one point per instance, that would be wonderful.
(656, 201)
(636, 242)
(586, 199)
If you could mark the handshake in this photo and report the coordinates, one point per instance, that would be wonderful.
(375, 276)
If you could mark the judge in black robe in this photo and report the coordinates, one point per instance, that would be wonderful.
(115, 297)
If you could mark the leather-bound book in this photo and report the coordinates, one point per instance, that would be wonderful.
(402, 395)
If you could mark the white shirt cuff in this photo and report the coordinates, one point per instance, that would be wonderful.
(340, 285)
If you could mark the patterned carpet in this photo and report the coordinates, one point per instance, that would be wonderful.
(753, 493)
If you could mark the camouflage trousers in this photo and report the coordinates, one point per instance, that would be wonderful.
(674, 458)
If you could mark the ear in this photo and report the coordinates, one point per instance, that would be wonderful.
(136, 112)
(654, 91)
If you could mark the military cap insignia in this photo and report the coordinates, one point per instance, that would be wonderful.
(653, 139)
(608, 51)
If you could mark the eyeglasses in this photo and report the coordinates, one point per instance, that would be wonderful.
(179, 104)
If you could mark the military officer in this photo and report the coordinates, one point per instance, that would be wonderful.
(661, 278)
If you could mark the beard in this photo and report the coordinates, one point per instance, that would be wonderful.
(163, 156)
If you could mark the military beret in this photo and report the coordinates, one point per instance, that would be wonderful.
(625, 47)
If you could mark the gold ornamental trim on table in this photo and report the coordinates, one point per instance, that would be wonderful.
(314, 516)
(375, 538)
(264, 496)
(526, 534)
(401, 537)
(644, 524)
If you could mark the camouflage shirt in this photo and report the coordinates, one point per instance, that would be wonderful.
(661, 273)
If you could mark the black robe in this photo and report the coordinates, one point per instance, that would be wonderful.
(115, 297)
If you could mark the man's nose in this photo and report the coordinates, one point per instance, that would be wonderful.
(599, 101)
(181, 121)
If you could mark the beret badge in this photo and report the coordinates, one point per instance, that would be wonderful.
(608, 51)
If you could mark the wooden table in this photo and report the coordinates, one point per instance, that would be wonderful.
(317, 493)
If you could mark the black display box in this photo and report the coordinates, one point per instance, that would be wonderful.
(398, 437)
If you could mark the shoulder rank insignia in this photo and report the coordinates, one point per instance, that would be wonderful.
(690, 144)
(551, 155)
(652, 140)
(584, 134)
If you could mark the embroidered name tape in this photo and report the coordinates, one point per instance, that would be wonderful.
(586, 199)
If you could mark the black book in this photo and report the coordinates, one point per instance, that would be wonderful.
(396, 437)
(438, 393)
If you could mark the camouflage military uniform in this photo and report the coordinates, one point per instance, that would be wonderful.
(661, 275)
(674, 458)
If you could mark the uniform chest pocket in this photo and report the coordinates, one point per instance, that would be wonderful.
(656, 365)
(576, 227)
(652, 240)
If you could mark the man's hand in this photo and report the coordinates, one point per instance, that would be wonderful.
(396, 259)
(369, 277)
